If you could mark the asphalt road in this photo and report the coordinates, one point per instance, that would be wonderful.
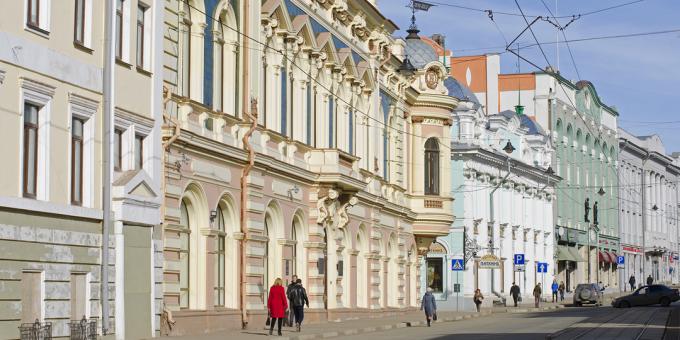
(570, 323)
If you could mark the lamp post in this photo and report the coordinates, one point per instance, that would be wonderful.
(509, 149)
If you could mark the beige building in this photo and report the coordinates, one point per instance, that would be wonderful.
(51, 183)
(296, 147)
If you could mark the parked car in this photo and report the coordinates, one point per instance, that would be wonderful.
(587, 293)
(648, 295)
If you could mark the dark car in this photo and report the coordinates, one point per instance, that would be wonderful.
(648, 295)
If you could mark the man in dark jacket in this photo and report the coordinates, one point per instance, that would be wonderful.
(298, 299)
(650, 280)
(289, 313)
(514, 292)
(631, 282)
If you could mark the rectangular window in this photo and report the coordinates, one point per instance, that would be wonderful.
(79, 23)
(32, 294)
(351, 131)
(80, 294)
(117, 150)
(30, 152)
(33, 13)
(435, 268)
(77, 161)
(139, 152)
(141, 10)
(185, 31)
(284, 99)
(219, 264)
(309, 113)
(119, 29)
(331, 121)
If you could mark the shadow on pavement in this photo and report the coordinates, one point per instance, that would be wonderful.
(493, 336)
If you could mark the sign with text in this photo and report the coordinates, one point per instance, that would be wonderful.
(489, 261)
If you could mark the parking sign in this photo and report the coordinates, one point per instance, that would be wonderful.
(519, 259)
(620, 260)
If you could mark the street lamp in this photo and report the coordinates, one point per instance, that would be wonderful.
(655, 208)
(601, 192)
(508, 149)
(406, 68)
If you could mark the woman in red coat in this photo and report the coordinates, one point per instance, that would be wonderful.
(277, 304)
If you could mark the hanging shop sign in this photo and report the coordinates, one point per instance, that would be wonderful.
(489, 261)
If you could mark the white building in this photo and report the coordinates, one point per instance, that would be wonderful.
(648, 193)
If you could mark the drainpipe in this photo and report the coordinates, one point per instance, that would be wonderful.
(491, 237)
(107, 169)
(252, 119)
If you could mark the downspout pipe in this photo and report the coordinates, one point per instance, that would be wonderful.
(107, 169)
(492, 237)
(252, 117)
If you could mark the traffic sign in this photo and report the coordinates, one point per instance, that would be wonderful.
(620, 260)
(519, 258)
(457, 265)
(541, 267)
(520, 268)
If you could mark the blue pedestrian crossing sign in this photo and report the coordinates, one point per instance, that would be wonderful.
(519, 259)
(620, 260)
(541, 267)
(457, 265)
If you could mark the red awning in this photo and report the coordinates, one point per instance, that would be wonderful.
(614, 257)
(604, 257)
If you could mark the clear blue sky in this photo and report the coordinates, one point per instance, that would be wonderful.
(640, 76)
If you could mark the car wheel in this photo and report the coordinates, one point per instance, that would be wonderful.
(624, 304)
(665, 301)
(578, 304)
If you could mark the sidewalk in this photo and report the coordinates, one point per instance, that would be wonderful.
(362, 326)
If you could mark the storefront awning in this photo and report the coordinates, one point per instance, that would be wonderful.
(614, 258)
(604, 257)
(563, 254)
(574, 253)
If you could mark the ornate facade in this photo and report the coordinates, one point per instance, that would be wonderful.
(294, 147)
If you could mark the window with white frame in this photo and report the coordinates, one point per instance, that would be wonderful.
(122, 29)
(139, 151)
(143, 37)
(35, 133)
(82, 23)
(38, 15)
(82, 149)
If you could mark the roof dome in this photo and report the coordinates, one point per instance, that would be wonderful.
(460, 91)
(419, 53)
(525, 121)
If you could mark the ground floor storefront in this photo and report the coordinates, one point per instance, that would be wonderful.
(580, 260)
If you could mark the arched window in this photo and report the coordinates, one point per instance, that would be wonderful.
(432, 167)
(219, 263)
(184, 256)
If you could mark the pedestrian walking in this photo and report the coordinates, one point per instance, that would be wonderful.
(478, 299)
(298, 299)
(561, 288)
(514, 292)
(277, 303)
(429, 305)
(537, 294)
(650, 280)
(631, 282)
(554, 287)
(290, 316)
